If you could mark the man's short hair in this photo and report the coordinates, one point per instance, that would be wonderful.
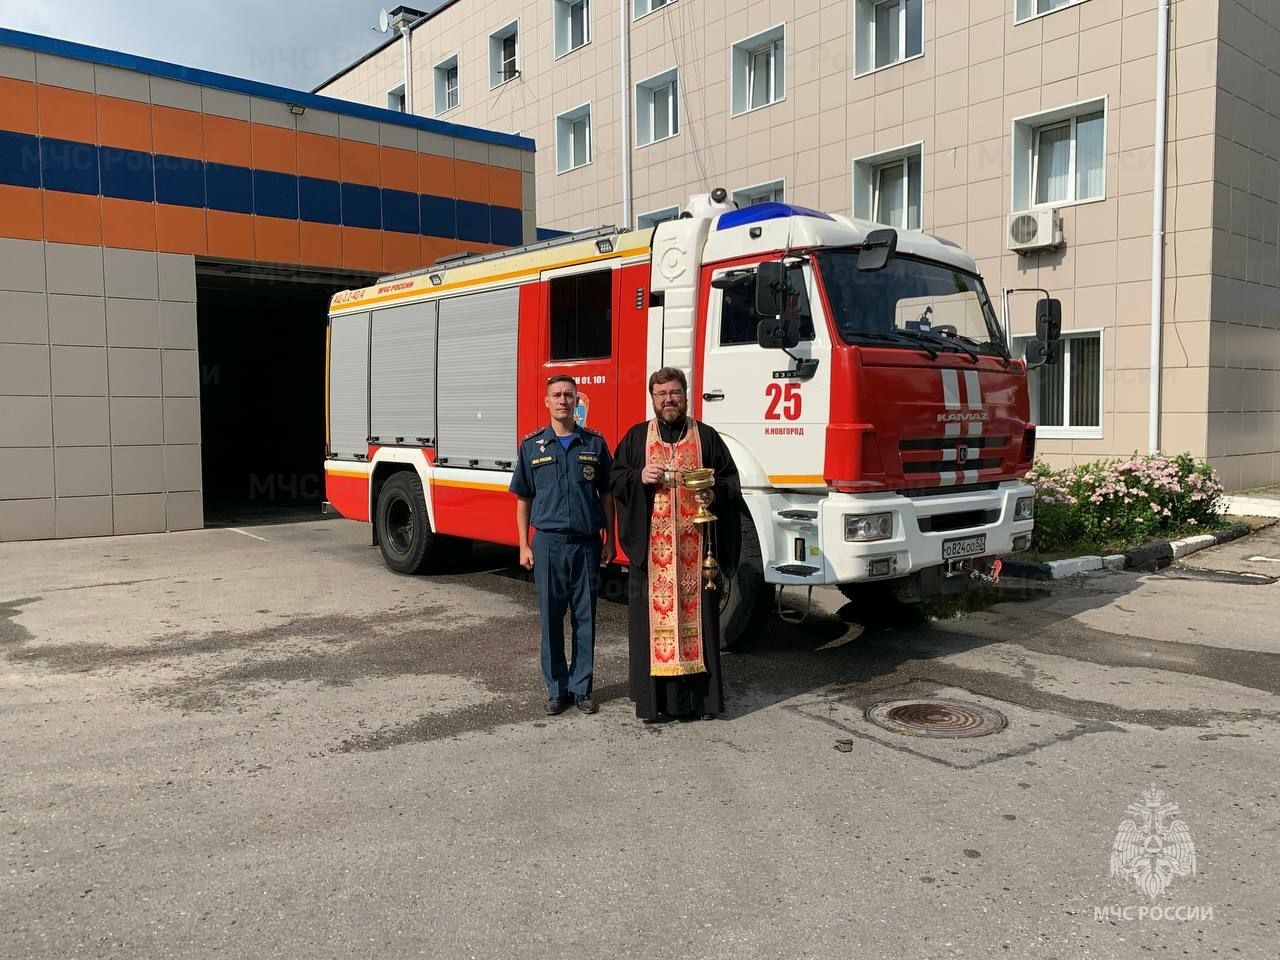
(562, 378)
(666, 375)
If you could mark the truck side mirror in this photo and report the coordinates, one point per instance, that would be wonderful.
(778, 333)
(1041, 352)
(771, 288)
(877, 249)
(1049, 320)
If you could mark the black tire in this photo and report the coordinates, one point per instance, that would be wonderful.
(404, 528)
(747, 599)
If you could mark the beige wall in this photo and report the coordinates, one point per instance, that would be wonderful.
(1244, 382)
(99, 392)
(980, 70)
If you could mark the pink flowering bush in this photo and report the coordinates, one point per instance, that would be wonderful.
(1124, 502)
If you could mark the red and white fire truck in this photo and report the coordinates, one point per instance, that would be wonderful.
(859, 375)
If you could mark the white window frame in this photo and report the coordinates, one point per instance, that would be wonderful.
(744, 196)
(496, 61)
(561, 13)
(866, 180)
(570, 117)
(864, 37)
(646, 221)
(439, 75)
(646, 133)
(1026, 10)
(1064, 359)
(395, 94)
(1026, 153)
(642, 8)
(742, 69)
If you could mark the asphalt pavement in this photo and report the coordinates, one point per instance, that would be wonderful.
(259, 742)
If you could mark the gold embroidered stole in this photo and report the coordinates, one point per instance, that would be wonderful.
(675, 554)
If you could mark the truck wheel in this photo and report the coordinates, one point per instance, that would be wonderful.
(747, 599)
(404, 530)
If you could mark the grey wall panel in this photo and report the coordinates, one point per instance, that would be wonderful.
(402, 378)
(349, 385)
(477, 393)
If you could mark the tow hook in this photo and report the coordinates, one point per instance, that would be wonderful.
(993, 577)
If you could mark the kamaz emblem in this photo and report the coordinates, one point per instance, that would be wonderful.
(963, 417)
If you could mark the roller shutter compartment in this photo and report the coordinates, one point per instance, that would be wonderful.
(349, 386)
(402, 364)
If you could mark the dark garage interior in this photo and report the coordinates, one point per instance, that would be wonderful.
(262, 357)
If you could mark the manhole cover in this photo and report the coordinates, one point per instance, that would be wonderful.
(936, 718)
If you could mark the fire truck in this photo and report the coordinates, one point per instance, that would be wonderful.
(859, 375)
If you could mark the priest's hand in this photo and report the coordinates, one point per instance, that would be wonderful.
(652, 473)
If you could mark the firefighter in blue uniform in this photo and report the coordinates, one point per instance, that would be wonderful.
(562, 482)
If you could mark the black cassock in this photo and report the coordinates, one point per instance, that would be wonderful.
(693, 694)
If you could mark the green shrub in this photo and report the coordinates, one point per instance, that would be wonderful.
(1123, 502)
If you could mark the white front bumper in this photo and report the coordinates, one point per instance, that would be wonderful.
(808, 544)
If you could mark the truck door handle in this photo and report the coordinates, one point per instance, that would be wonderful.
(713, 395)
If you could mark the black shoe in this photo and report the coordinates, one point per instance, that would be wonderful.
(708, 716)
(556, 705)
(586, 704)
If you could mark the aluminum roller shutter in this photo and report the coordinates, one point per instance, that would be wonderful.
(477, 380)
(349, 386)
(402, 374)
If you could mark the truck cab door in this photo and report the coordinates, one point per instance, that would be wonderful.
(755, 396)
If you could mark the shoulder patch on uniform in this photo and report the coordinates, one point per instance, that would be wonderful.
(532, 434)
(594, 433)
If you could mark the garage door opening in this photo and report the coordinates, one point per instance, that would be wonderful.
(262, 353)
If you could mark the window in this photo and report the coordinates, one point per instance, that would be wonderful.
(646, 7)
(573, 139)
(447, 84)
(761, 193)
(573, 25)
(1060, 156)
(582, 316)
(657, 113)
(887, 32)
(759, 68)
(1066, 397)
(647, 221)
(1026, 9)
(395, 98)
(888, 187)
(738, 318)
(504, 50)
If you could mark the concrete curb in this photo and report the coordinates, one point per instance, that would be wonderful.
(1147, 558)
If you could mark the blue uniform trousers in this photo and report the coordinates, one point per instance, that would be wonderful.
(566, 569)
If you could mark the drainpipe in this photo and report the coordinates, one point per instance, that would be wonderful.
(1157, 224)
(406, 32)
(624, 30)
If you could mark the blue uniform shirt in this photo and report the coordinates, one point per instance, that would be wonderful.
(565, 484)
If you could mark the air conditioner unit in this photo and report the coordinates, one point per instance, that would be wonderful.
(1032, 230)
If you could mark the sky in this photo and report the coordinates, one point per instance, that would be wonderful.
(287, 42)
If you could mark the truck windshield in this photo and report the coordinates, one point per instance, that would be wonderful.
(916, 304)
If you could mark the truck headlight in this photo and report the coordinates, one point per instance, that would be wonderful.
(875, 526)
(1025, 508)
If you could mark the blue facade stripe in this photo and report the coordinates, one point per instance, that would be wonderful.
(275, 194)
(19, 159)
(180, 181)
(439, 216)
(361, 206)
(319, 201)
(400, 211)
(228, 188)
(69, 166)
(473, 221)
(74, 167)
(127, 174)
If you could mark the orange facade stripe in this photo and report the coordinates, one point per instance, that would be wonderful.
(129, 224)
(274, 148)
(400, 251)
(72, 218)
(435, 175)
(506, 187)
(227, 141)
(66, 114)
(181, 229)
(399, 169)
(317, 156)
(275, 240)
(177, 133)
(23, 214)
(321, 244)
(471, 181)
(362, 249)
(359, 163)
(18, 106)
(124, 123)
(230, 235)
